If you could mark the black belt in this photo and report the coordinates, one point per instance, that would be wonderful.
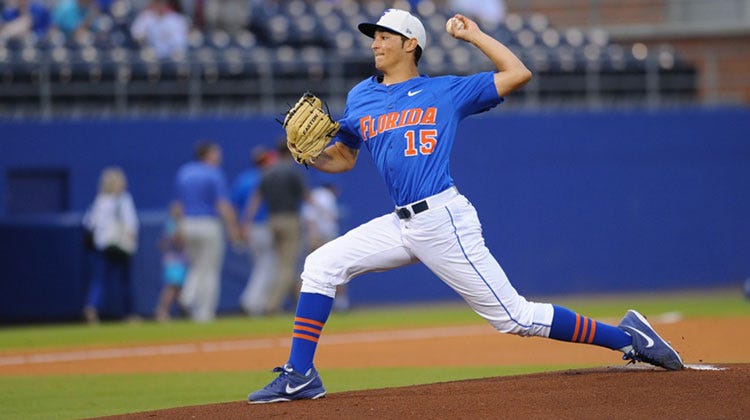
(405, 213)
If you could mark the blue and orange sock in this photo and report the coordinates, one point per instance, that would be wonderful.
(570, 326)
(313, 310)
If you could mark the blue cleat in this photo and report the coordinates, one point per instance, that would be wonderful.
(288, 386)
(647, 345)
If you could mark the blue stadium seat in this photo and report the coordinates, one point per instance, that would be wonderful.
(301, 40)
(244, 39)
(219, 39)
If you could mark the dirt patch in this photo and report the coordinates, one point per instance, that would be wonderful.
(621, 393)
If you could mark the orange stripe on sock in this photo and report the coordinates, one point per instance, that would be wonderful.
(585, 329)
(308, 329)
(305, 337)
(593, 331)
(575, 331)
(309, 321)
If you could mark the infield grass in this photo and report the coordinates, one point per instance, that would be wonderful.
(80, 396)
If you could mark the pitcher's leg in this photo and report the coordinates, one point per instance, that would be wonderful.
(460, 258)
(373, 246)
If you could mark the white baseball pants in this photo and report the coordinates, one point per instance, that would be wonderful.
(263, 260)
(447, 238)
(204, 237)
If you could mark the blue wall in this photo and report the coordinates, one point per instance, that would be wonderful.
(571, 202)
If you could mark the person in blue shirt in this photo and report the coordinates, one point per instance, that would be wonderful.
(22, 17)
(174, 262)
(77, 17)
(262, 256)
(204, 197)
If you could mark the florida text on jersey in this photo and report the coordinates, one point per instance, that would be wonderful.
(409, 128)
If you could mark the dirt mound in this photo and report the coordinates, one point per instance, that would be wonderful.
(630, 392)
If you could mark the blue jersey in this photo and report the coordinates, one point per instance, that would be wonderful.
(409, 127)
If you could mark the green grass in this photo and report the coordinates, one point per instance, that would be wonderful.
(78, 396)
(81, 396)
(713, 303)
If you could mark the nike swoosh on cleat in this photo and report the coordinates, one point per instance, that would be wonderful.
(410, 93)
(294, 389)
(649, 340)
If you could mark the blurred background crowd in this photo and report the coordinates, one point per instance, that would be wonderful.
(268, 214)
(78, 57)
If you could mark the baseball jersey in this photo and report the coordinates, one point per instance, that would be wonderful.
(409, 127)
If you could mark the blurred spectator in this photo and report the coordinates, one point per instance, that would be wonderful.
(75, 18)
(413, 4)
(320, 218)
(174, 262)
(113, 222)
(204, 197)
(228, 15)
(488, 12)
(162, 26)
(23, 17)
(283, 189)
(262, 256)
(321, 215)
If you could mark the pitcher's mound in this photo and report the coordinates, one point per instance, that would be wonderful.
(625, 392)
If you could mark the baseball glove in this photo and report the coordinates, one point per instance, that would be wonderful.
(309, 128)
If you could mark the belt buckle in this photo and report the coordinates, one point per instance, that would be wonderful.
(420, 207)
(403, 213)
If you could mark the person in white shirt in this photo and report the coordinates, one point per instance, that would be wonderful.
(161, 27)
(489, 12)
(113, 224)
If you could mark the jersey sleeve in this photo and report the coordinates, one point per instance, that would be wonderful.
(348, 132)
(475, 93)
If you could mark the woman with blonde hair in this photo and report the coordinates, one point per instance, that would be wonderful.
(113, 224)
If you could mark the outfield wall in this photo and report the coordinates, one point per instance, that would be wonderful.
(572, 202)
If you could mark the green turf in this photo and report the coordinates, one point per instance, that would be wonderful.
(78, 396)
(69, 397)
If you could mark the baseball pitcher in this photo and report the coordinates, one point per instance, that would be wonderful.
(408, 123)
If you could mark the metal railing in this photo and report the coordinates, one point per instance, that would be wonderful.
(45, 88)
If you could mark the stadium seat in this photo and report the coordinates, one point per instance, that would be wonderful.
(298, 41)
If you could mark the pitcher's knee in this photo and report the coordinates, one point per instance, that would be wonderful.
(317, 277)
(531, 319)
(521, 329)
(313, 285)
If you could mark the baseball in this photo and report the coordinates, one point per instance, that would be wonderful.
(453, 24)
